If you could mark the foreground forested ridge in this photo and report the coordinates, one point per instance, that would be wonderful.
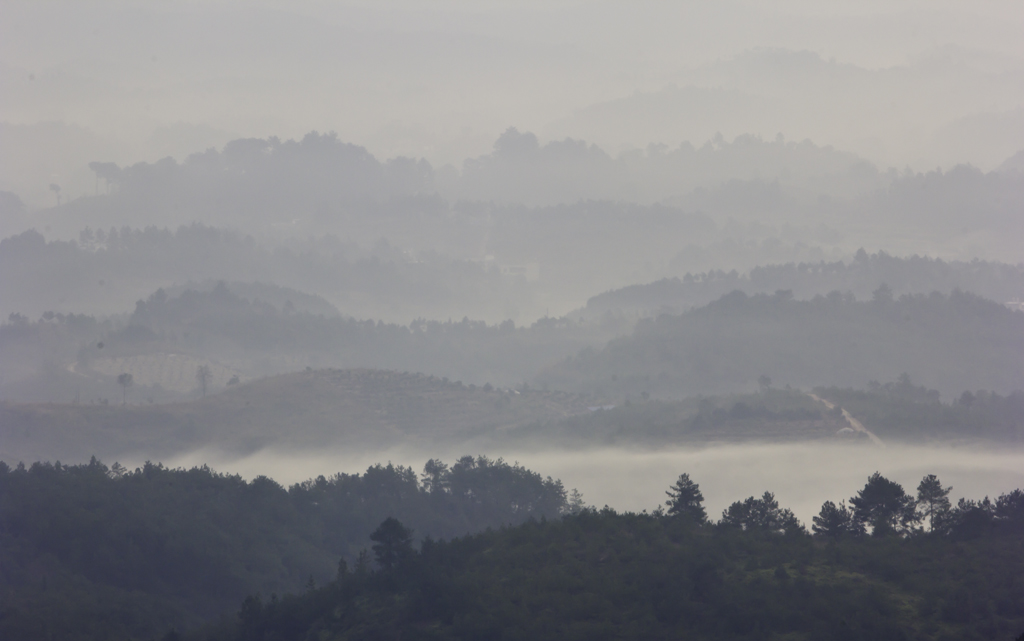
(928, 570)
(91, 552)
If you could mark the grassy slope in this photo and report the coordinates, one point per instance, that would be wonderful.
(311, 409)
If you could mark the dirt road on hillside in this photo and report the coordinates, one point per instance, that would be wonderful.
(854, 423)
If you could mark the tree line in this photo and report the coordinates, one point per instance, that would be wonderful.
(891, 566)
(97, 552)
(1000, 282)
(92, 552)
(948, 342)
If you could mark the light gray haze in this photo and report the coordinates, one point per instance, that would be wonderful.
(917, 83)
(613, 240)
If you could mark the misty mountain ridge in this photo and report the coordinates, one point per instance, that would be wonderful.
(166, 338)
(281, 298)
(325, 411)
(105, 272)
(437, 258)
(309, 410)
(727, 346)
(803, 95)
(860, 276)
(1014, 163)
(320, 185)
(256, 175)
(896, 412)
(950, 343)
(254, 330)
(760, 91)
(732, 249)
(521, 170)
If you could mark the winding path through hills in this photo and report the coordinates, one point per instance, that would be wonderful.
(854, 423)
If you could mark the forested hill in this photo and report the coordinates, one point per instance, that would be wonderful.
(896, 411)
(950, 343)
(106, 270)
(91, 552)
(320, 175)
(1000, 282)
(60, 357)
(360, 408)
(755, 574)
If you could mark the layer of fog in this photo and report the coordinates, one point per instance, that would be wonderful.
(909, 82)
(802, 476)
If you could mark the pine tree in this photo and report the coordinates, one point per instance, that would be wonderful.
(686, 500)
(932, 500)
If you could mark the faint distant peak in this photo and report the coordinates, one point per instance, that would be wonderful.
(1012, 165)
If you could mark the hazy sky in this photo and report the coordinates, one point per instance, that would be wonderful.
(442, 79)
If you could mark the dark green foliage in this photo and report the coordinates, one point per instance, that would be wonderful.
(761, 515)
(932, 499)
(836, 522)
(1010, 509)
(686, 501)
(392, 543)
(884, 506)
(602, 575)
(91, 552)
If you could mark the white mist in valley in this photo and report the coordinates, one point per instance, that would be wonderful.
(801, 475)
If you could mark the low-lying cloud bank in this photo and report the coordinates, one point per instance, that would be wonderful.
(801, 475)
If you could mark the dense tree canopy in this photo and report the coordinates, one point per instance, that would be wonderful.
(599, 574)
(92, 552)
(948, 342)
(884, 506)
(685, 500)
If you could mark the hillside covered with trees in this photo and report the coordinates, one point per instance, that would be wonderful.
(359, 410)
(97, 552)
(104, 271)
(995, 281)
(893, 565)
(950, 343)
(897, 412)
(249, 329)
(91, 552)
(274, 330)
(774, 247)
